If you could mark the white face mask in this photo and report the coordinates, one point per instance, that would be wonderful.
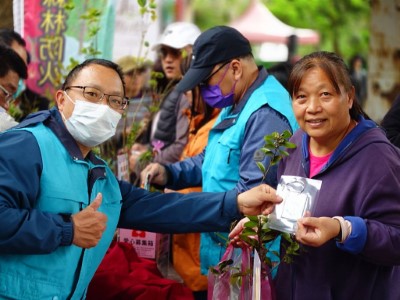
(91, 124)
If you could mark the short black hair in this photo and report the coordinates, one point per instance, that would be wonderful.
(93, 61)
(11, 61)
(7, 36)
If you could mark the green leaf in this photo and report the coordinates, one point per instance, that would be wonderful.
(260, 166)
(250, 224)
(253, 218)
(286, 236)
(286, 134)
(142, 3)
(250, 241)
(283, 153)
(290, 145)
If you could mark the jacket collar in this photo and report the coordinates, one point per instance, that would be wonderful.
(362, 127)
(232, 116)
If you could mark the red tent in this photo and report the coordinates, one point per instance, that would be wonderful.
(259, 25)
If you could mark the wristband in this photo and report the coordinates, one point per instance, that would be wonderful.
(344, 229)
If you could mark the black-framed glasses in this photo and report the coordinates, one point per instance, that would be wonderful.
(94, 95)
(8, 97)
(164, 51)
(205, 81)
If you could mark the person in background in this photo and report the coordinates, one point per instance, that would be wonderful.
(391, 123)
(29, 101)
(253, 104)
(12, 69)
(351, 242)
(26, 100)
(186, 247)
(14, 40)
(136, 77)
(281, 72)
(169, 126)
(358, 75)
(61, 204)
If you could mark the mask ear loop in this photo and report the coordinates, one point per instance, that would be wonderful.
(61, 113)
(223, 76)
(69, 98)
(234, 85)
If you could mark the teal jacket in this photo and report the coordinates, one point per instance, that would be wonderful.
(44, 178)
(49, 276)
(228, 145)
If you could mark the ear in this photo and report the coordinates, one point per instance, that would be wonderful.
(237, 68)
(351, 95)
(60, 99)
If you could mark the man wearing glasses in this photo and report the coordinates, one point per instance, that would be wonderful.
(12, 68)
(60, 204)
(253, 103)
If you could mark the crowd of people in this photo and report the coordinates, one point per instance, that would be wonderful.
(61, 203)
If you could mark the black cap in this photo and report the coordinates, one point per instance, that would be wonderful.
(215, 45)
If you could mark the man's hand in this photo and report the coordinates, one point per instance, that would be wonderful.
(89, 225)
(259, 200)
(156, 172)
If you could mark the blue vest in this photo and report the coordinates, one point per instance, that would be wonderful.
(220, 170)
(67, 271)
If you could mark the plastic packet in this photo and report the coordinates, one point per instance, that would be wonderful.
(299, 196)
(231, 279)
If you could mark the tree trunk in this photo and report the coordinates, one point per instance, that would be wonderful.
(384, 57)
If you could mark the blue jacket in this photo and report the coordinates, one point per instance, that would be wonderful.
(238, 134)
(44, 178)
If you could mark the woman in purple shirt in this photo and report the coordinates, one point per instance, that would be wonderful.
(352, 241)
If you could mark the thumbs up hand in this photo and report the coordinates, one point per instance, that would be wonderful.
(89, 224)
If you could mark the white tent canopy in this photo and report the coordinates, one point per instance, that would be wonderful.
(259, 25)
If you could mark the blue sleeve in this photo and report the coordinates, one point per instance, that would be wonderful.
(175, 212)
(356, 240)
(24, 229)
(185, 173)
(261, 123)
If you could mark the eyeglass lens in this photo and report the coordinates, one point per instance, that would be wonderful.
(207, 79)
(7, 95)
(95, 95)
(165, 51)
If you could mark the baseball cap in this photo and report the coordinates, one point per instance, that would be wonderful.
(216, 45)
(129, 63)
(178, 35)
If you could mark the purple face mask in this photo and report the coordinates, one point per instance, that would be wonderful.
(213, 96)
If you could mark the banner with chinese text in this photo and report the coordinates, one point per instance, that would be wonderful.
(54, 34)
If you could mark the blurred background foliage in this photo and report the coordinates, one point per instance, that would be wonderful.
(343, 25)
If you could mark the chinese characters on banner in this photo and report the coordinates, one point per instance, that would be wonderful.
(51, 42)
(55, 34)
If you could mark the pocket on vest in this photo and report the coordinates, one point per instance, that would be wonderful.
(23, 287)
(59, 204)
